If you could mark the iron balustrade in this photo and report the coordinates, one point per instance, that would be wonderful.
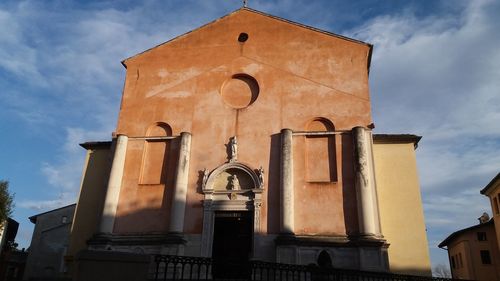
(197, 268)
(182, 268)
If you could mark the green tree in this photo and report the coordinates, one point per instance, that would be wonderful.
(6, 201)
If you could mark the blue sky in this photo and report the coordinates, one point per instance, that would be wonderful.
(434, 73)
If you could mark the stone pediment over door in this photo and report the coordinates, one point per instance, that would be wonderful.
(233, 177)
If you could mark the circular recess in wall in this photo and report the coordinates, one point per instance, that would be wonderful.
(240, 91)
(243, 37)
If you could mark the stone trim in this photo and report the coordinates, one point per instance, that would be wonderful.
(330, 241)
(135, 239)
(154, 138)
(321, 133)
(396, 138)
(208, 186)
(96, 144)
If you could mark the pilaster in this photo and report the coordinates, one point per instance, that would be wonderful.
(181, 183)
(286, 191)
(114, 185)
(366, 193)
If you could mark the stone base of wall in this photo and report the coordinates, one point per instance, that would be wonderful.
(109, 265)
(147, 243)
(264, 248)
(349, 252)
(355, 253)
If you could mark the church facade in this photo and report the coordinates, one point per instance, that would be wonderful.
(251, 138)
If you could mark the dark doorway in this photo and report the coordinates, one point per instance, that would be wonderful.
(232, 245)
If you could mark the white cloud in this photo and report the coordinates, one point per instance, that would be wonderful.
(439, 77)
(43, 205)
(71, 59)
(64, 174)
(75, 57)
(15, 55)
(442, 69)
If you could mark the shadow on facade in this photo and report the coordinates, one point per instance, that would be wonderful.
(348, 190)
(273, 192)
(129, 255)
(141, 228)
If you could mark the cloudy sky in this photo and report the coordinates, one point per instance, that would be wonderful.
(435, 72)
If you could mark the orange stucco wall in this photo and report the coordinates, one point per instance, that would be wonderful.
(145, 207)
(301, 73)
(327, 208)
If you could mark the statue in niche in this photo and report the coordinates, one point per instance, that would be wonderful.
(233, 149)
(234, 183)
(205, 178)
(261, 177)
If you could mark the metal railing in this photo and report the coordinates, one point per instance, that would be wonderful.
(182, 268)
(266, 271)
(195, 268)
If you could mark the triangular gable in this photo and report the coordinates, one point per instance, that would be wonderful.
(124, 62)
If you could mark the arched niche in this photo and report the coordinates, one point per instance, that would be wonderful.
(233, 179)
(321, 151)
(159, 129)
(155, 158)
(324, 260)
(320, 124)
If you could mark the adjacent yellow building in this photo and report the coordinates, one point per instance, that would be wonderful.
(401, 212)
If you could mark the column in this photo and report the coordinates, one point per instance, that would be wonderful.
(114, 185)
(181, 184)
(366, 190)
(286, 188)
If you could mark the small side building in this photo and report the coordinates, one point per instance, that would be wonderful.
(49, 243)
(474, 251)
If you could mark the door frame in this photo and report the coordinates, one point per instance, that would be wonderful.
(247, 215)
(247, 198)
(212, 206)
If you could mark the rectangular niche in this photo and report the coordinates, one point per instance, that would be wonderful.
(155, 162)
(321, 159)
